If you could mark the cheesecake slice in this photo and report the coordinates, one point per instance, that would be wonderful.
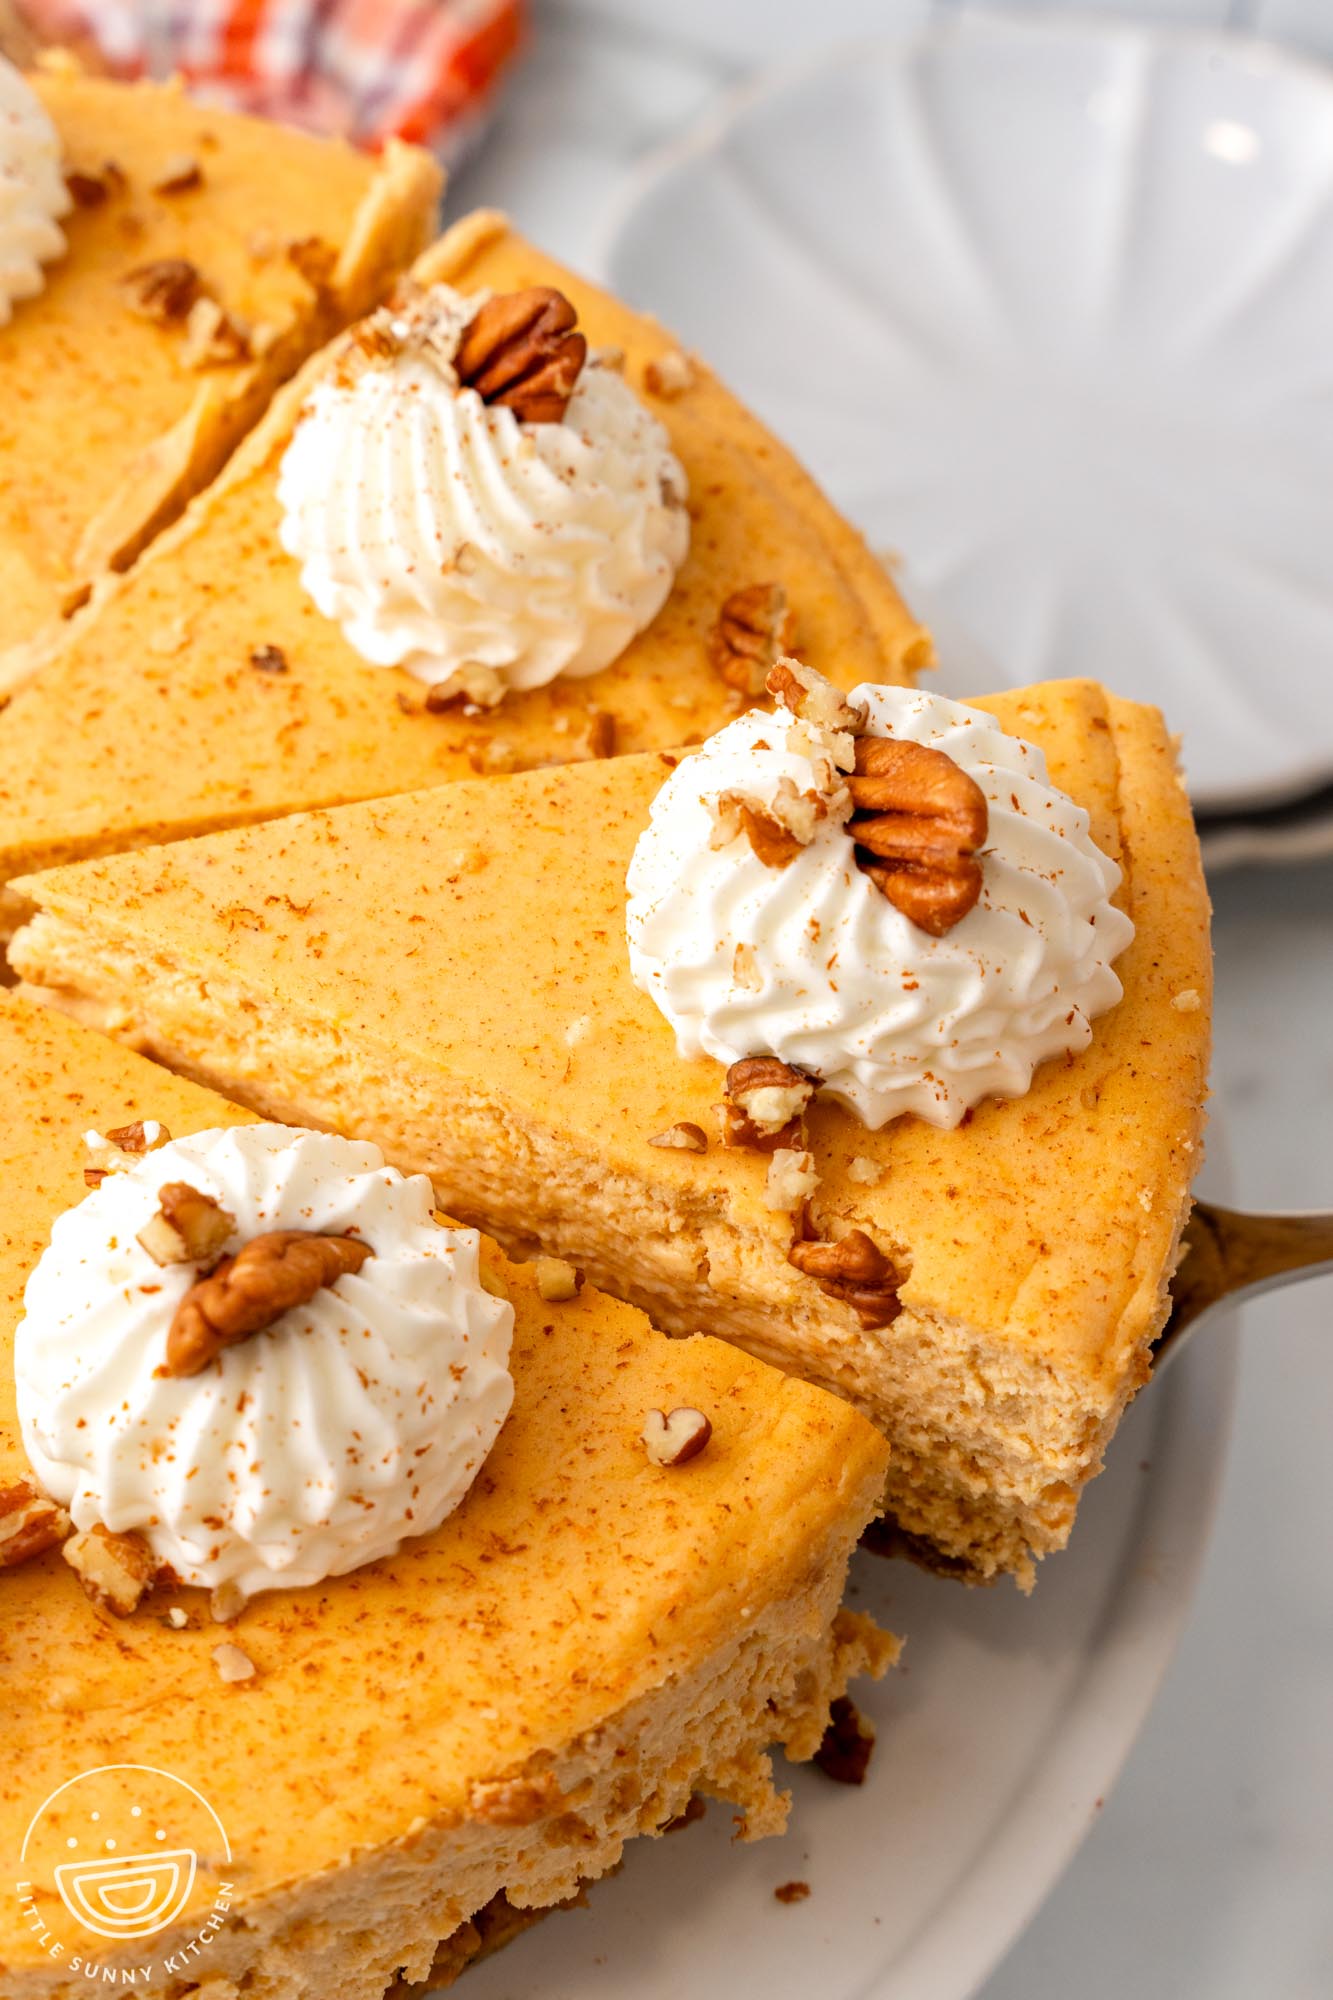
(468, 1728)
(209, 690)
(207, 255)
(447, 973)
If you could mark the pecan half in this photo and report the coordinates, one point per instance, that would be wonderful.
(848, 1744)
(523, 350)
(918, 822)
(253, 1289)
(765, 1104)
(754, 628)
(163, 292)
(30, 1524)
(115, 1570)
(855, 1270)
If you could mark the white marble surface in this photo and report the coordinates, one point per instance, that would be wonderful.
(1209, 1875)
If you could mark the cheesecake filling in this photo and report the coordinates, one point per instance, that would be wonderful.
(760, 924)
(272, 1450)
(453, 524)
(33, 195)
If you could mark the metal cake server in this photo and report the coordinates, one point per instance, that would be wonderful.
(1228, 1256)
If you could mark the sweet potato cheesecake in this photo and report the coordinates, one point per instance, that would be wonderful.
(386, 1583)
(507, 523)
(163, 266)
(888, 1066)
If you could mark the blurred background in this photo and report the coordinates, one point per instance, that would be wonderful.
(1208, 1875)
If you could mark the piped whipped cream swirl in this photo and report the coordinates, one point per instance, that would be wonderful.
(354, 1421)
(809, 962)
(481, 553)
(33, 194)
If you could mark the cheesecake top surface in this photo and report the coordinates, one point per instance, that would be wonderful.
(91, 383)
(574, 1579)
(478, 931)
(212, 640)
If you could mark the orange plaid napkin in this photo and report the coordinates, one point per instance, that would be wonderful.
(421, 69)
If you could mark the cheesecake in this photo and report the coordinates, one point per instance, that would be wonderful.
(211, 689)
(395, 1766)
(448, 974)
(205, 255)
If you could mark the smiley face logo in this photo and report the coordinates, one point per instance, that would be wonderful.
(127, 1848)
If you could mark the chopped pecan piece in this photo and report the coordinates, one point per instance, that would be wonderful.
(315, 259)
(674, 1437)
(600, 740)
(773, 843)
(792, 1179)
(91, 187)
(669, 375)
(812, 698)
(855, 1270)
(471, 687)
(213, 338)
(766, 1102)
(30, 1524)
(523, 350)
(844, 1755)
(119, 1150)
(557, 1281)
(919, 820)
(684, 1137)
(250, 1291)
(115, 1570)
(181, 174)
(777, 829)
(188, 1228)
(163, 292)
(754, 627)
(233, 1666)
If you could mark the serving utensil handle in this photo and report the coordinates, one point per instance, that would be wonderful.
(1228, 1255)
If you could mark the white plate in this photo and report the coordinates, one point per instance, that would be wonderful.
(999, 1737)
(1299, 831)
(1046, 306)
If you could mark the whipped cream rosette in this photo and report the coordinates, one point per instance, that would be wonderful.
(355, 1418)
(760, 923)
(33, 194)
(485, 512)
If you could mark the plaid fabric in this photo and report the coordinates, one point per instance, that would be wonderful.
(421, 69)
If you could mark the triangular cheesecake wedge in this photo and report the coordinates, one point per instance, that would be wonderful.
(447, 973)
(590, 1638)
(209, 689)
(206, 255)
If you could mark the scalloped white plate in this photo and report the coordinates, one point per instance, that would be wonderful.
(999, 1737)
(1047, 306)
